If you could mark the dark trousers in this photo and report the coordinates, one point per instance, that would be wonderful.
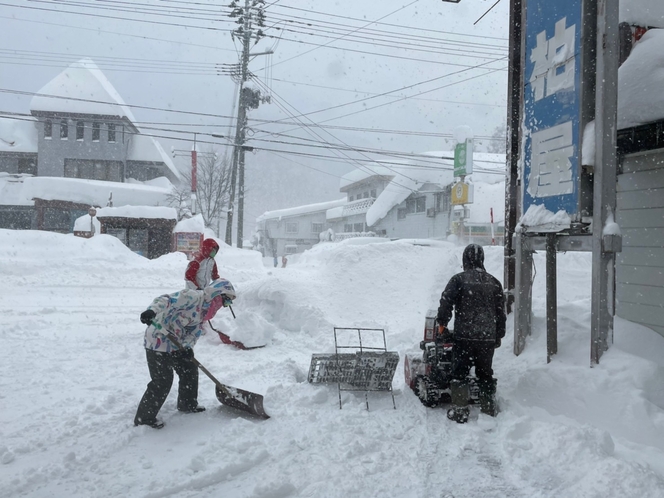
(161, 366)
(473, 353)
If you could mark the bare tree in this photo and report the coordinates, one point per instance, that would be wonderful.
(498, 144)
(212, 189)
(179, 199)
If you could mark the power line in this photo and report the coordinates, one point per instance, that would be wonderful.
(372, 22)
(478, 66)
(394, 25)
(59, 25)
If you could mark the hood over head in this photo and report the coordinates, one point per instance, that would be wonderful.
(473, 257)
(219, 287)
(208, 246)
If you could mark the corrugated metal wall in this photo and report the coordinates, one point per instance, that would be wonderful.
(640, 214)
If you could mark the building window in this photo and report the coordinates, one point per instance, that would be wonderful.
(290, 249)
(58, 220)
(401, 214)
(93, 170)
(79, 130)
(64, 129)
(358, 227)
(317, 227)
(410, 206)
(365, 195)
(373, 193)
(420, 204)
(291, 227)
(27, 166)
(443, 201)
(96, 131)
(348, 227)
(48, 128)
(111, 132)
(351, 198)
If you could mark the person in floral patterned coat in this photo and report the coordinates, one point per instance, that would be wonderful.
(181, 316)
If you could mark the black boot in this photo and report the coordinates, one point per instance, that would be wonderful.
(155, 424)
(196, 409)
(460, 393)
(487, 396)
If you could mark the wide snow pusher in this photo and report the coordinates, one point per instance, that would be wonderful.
(429, 374)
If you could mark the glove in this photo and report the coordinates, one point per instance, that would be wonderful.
(227, 302)
(497, 344)
(147, 316)
(441, 329)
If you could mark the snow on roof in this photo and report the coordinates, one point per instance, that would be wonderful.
(18, 135)
(162, 212)
(17, 190)
(642, 12)
(641, 82)
(407, 180)
(357, 175)
(82, 80)
(193, 224)
(309, 208)
(144, 148)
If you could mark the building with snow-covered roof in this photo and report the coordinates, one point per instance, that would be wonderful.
(407, 200)
(81, 131)
(292, 230)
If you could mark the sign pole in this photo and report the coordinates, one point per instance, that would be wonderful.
(605, 172)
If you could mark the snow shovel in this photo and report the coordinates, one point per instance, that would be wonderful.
(227, 340)
(231, 396)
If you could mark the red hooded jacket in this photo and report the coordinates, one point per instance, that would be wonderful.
(202, 269)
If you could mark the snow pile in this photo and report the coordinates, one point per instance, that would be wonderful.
(18, 135)
(194, 224)
(77, 371)
(540, 219)
(640, 82)
(162, 212)
(309, 208)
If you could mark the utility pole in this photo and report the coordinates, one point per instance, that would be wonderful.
(247, 98)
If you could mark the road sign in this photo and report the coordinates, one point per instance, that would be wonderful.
(463, 158)
(552, 105)
(462, 193)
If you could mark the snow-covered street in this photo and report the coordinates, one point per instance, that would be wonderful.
(73, 370)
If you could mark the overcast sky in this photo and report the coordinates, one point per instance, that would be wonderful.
(424, 52)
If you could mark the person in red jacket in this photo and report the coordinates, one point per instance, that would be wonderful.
(202, 269)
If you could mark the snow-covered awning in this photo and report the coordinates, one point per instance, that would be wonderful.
(18, 190)
(154, 212)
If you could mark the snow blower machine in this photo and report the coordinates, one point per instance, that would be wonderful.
(429, 375)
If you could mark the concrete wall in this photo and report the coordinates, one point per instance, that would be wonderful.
(53, 151)
(640, 265)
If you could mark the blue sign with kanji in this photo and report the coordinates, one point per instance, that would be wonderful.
(552, 111)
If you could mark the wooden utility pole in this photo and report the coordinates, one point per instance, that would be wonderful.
(252, 10)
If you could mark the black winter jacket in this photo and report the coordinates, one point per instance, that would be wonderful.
(477, 299)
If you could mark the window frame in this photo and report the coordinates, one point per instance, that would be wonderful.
(289, 227)
(111, 132)
(315, 224)
(80, 131)
(48, 129)
(96, 131)
(64, 130)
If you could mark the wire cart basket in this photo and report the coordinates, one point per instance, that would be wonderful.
(362, 368)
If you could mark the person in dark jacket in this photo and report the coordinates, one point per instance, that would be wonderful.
(476, 298)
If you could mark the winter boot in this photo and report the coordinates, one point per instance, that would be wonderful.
(487, 396)
(460, 393)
